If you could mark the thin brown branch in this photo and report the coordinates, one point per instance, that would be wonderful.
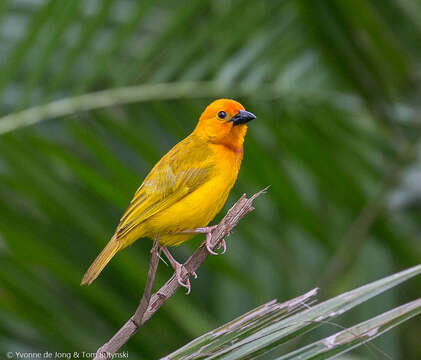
(242, 207)
(131, 326)
(147, 293)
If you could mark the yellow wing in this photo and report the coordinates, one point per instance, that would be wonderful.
(181, 171)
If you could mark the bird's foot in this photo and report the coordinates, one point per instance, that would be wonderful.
(208, 232)
(178, 270)
(179, 276)
(222, 244)
(208, 243)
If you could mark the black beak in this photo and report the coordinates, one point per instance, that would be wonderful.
(242, 117)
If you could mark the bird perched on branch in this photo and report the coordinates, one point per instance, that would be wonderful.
(186, 188)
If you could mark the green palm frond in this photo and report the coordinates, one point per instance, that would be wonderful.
(336, 89)
(262, 329)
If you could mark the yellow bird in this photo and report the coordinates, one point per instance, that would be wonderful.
(186, 188)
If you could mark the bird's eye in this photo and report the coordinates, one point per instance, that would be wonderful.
(222, 114)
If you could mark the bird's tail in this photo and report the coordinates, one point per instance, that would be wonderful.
(101, 261)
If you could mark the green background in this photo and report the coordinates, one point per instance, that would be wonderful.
(336, 88)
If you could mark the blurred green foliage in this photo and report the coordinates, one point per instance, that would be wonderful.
(335, 85)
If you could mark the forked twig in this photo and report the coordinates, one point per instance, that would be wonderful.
(150, 304)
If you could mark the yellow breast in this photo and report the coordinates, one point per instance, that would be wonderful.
(201, 206)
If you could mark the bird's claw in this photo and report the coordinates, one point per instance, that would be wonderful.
(208, 247)
(178, 271)
(179, 277)
(222, 244)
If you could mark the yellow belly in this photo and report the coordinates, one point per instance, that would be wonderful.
(195, 210)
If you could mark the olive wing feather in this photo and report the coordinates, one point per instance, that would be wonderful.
(180, 172)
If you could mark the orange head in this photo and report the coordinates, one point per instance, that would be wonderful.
(224, 122)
